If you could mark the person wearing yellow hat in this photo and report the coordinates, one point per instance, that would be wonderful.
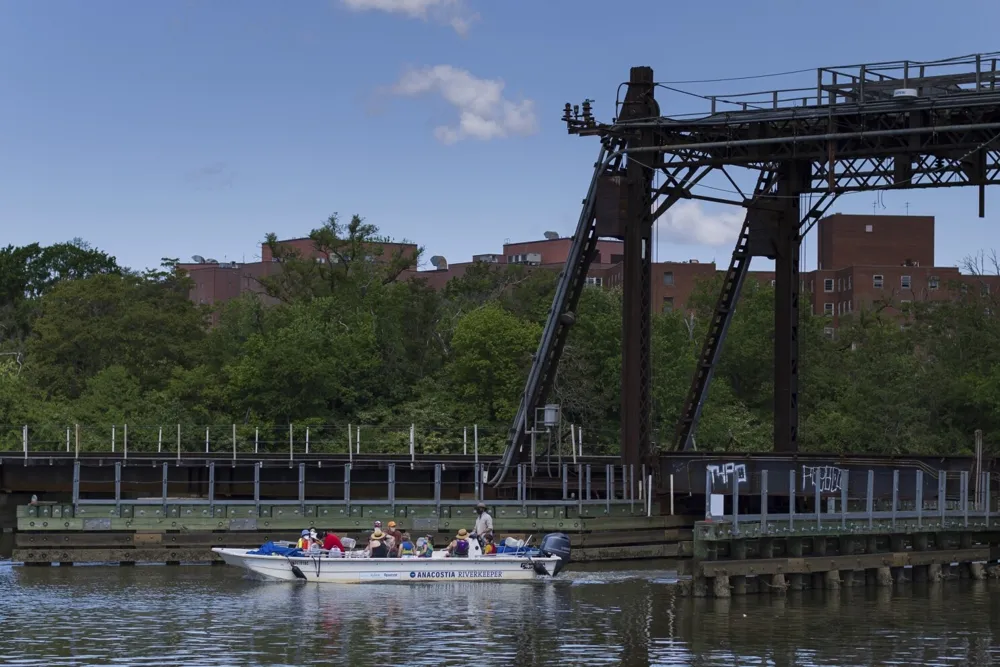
(459, 547)
(376, 545)
(395, 539)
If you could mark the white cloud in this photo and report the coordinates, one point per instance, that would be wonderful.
(483, 112)
(687, 222)
(449, 12)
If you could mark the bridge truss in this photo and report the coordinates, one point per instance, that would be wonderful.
(882, 126)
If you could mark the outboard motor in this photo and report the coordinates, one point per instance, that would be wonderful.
(554, 544)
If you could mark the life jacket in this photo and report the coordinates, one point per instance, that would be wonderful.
(461, 547)
(303, 543)
(490, 548)
(407, 549)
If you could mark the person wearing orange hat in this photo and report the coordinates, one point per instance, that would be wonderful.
(395, 539)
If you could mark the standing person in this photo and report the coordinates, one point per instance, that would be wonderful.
(396, 539)
(484, 523)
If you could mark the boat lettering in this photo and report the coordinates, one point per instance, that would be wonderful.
(463, 574)
(380, 575)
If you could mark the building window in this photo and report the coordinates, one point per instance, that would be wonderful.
(848, 282)
(932, 282)
(772, 284)
(840, 284)
(829, 332)
(868, 229)
(904, 282)
(828, 284)
(668, 278)
(595, 280)
(828, 309)
(877, 281)
(668, 304)
(986, 289)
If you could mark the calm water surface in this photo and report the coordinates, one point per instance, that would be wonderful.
(204, 615)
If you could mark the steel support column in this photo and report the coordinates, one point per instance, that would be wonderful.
(792, 178)
(638, 234)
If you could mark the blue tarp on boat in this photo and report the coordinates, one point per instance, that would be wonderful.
(504, 550)
(272, 549)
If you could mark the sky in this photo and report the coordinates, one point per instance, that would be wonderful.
(194, 127)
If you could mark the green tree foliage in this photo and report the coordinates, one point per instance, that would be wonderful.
(359, 338)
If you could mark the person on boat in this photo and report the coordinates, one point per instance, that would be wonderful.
(425, 546)
(331, 542)
(406, 547)
(459, 547)
(377, 547)
(489, 549)
(395, 539)
(484, 522)
(304, 541)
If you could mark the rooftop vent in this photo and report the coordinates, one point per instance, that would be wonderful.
(439, 262)
(197, 259)
(551, 236)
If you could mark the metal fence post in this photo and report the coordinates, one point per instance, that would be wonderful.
(256, 486)
(587, 490)
(895, 495)
(791, 499)
(125, 441)
(234, 442)
(211, 487)
(708, 494)
(965, 497)
(920, 498)
(76, 486)
(437, 487)
(159, 441)
(817, 493)
(870, 499)
(845, 483)
(164, 487)
(986, 490)
(178, 442)
(763, 501)
(208, 443)
(112, 438)
(302, 489)
(736, 504)
(347, 487)
(565, 481)
(24, 438)
(118, 487)
(942, 495)
(307, 440)
(392, 487)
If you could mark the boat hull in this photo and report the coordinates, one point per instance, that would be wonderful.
(321, 569)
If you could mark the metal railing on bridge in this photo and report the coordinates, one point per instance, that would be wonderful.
(235, 440)
(849, 502)
(582, 493)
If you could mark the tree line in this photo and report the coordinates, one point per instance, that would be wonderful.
(84, 340)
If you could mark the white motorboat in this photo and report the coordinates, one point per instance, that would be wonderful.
(355, 567)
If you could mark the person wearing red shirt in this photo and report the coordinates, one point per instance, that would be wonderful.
(331, 541)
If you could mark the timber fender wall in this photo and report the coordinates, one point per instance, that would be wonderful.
(60, 533)
(728, 562)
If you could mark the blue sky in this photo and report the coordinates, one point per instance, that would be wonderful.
(168, 129)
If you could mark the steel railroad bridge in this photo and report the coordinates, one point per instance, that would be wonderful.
(879, 126)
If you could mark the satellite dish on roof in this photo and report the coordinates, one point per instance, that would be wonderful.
(439, 262)
(197, 259)
(551, 236)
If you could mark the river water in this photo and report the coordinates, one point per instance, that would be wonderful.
(624, 614)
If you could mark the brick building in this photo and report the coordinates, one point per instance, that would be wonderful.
(861, 259)
(217, 282)
(547, 253)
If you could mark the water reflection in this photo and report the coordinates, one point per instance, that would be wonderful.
(214, 616)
